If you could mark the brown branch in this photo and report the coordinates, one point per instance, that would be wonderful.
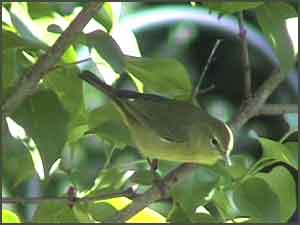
(251, 107)
(154, 193)
(245, 56)
(27, 85)
(277, 109)
(36, 200)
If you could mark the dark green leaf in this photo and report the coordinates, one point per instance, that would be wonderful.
(161, 75)
(178, 215)
(107, 123)
(107, 48)
(231, 6)
(101, 211)
(195, 189)
(255, 198)
(144, 177)
(283, 185)
(274, 27)
(39, 9)
(276, 150)
(45, 121)
(54, 212)
(9, 67)
(14, 153)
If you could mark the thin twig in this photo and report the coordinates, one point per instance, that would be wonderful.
(285, 136)
(35, 200)
(245, 56)
(209, 60)
(278, 109)
(28, 83)
(69, 64)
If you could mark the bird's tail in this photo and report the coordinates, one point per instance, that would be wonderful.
(99, 84)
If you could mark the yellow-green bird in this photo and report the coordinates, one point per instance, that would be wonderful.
(168, 129)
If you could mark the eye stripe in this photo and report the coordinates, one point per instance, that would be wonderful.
(231, 137)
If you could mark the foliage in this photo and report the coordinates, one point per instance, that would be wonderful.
(88, 145)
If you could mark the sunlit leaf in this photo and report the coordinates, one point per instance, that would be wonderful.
(276, 150)
(161, 75)
(9, 217)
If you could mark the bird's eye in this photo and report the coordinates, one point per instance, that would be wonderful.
(214, 142)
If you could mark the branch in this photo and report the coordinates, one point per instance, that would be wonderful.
(210, 58)
(154, 193)
(35, 200)
(245, 56)
(251, 108)
(277, 109)
(27, 85)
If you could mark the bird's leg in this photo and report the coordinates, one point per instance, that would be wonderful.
(157, 179)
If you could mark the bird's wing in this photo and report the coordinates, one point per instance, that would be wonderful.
(168, 118)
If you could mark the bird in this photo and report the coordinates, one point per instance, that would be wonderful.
(169, 129)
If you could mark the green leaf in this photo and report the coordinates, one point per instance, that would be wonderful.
(223, 200)
(107, 123)
(107, 48)
(178, 215)
(107, 181)
(45, 121)
(274, 27)
(144, 177)
(161, 75)
(231, 6)
(9, 67)
(39, 9)
(54, 212)
(15, 153)
(240, 165)
(24, 24)
(293, 148)
(12, 40)
(68, 88)
(196, 189)
(101, 211)
(105, 16)
(276, 150)
(9, 217)
(81, 212)
(283, 185)
(255, 199)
